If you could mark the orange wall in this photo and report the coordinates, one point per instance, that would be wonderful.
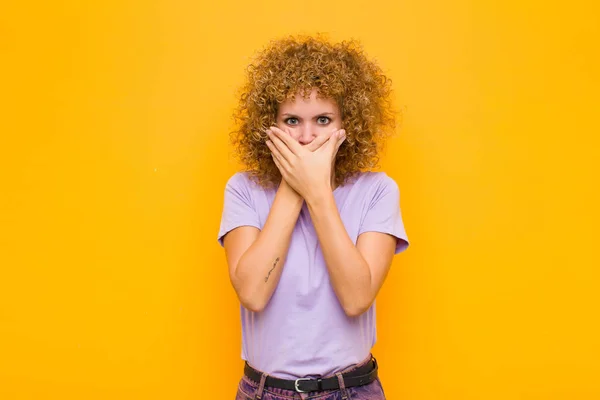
(114, 156)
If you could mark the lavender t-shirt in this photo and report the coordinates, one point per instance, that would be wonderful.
(303, 331)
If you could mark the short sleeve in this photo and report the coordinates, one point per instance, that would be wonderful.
(384, 214)
(238, 207)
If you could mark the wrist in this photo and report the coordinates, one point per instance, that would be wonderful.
(319, 196)
(286, 191)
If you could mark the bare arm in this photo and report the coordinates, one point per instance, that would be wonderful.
(256, 257)
(356, 272)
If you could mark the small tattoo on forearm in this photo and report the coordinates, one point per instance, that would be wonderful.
(274, 264)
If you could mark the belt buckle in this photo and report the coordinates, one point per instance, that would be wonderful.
(296, 384)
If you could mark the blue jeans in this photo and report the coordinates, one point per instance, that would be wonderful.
(250, 390)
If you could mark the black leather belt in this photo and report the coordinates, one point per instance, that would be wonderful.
(357, 377)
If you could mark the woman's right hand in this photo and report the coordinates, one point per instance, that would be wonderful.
(306, 170)
(317, 142)
(320, 140)
(312, 146)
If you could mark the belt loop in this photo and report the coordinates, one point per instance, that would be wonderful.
(261, 386)
(342, 386)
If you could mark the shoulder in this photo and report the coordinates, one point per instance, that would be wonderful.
(376, 181)
(242, 185)
(238, 187)
(238, 179)
(242, 181)
(376, 188)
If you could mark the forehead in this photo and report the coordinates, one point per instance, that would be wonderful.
(312, 104)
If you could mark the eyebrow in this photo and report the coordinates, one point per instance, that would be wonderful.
(293, 115)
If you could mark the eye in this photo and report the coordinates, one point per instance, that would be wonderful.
(327, 119)
(287, 121)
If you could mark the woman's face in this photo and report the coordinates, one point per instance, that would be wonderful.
(307, 119)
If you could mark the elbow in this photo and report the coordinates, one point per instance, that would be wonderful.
(251, 301)
(357, 302)
(353, 312)
(253, 305)
(250, 298)
(355, 309)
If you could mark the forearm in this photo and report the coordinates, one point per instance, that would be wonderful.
(259, 269)
(348, 271)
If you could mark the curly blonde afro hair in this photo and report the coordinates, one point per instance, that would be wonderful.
(340, 71)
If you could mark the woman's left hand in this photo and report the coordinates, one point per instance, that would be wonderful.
(307, 172)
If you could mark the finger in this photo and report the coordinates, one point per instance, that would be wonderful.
(282, 150)
(331, 144)
(277, 164)
(280, 167)
(341, 139)
(293, 145)
(319, 141)
(277, 155)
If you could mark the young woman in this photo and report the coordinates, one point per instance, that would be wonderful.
(309, 232)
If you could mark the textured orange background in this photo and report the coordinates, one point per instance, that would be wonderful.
(114, 156)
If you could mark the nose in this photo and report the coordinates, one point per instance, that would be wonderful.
(307, 135)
